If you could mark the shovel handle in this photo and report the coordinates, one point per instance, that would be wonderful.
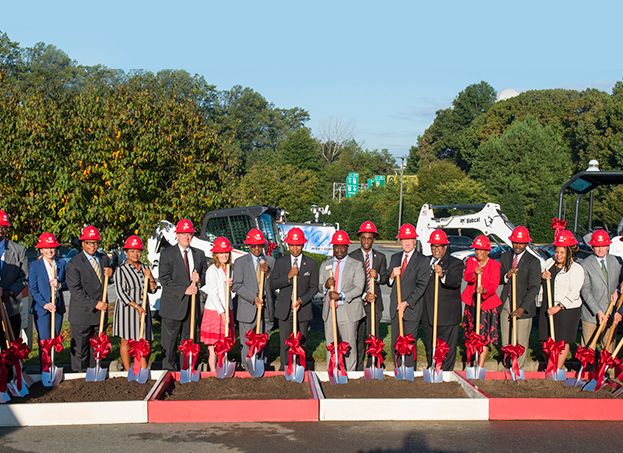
(6, 327)
(435, 310)
(53, 301)
(399, 294)
(549, 305)
(602, 326)
(478, 303)
(619, 346)
(227, 269)
(145, 289)
(295, 291)
(372, 311)
(333, 316)
(103, 312)
(514, 307)
(259, 309)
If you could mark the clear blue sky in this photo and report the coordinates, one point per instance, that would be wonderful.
(386, 67)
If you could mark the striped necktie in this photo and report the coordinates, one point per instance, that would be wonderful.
(258, 272)
(604, 270)
(368, 281)
(96, 268)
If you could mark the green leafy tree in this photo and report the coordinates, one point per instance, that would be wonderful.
(300, 149)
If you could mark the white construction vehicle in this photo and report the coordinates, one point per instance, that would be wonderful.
(488, 219)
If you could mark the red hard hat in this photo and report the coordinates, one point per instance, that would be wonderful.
(565, 239)
(46, 241)
(255, 237)
(221, 245)
(295, 237)
(407, 231)
(340, 237)
(184, 226)
(90, 233)
(133, 242)
(367, 227)
(520, 235)
(438, 237)
(4, 219)
(481, 243)
(600, 238)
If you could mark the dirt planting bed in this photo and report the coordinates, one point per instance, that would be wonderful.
(212, 388)
(388, 387)
(537, 388)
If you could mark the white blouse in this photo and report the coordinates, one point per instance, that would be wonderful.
(215, 289)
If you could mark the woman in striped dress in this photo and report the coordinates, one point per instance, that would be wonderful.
(129, 282)
(213, 321)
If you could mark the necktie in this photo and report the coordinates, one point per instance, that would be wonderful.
(368, 281)
(258, 271)
(336, 277)
(97, 268)
(296, 262)
(186, 263)
(515, 261)
(604, 270)
(404, 265)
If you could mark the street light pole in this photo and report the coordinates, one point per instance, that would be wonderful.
(402, 167)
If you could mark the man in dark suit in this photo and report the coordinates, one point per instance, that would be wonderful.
(182, 268)
(414, 271)
(375, 265)
(246, 280)
(13, 277)
(450, 272)
(285, 269)
(85, 276)
(527, 269)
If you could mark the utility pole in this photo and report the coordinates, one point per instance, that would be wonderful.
(402, 169)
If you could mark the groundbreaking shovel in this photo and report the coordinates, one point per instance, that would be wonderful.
(402, 372)
(431, 374)
(510, 371)
(558, 375)
(593, 385)
(98, 373)
(4, 396)
(476, 372)
(298, 371)
(54, 376)
(338, 376)
(17, 364)
(226, 369)
(189, 374)
(373, 372)
(255, 367)
(143, 375)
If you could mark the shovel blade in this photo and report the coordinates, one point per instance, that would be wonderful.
(470, 372)
(194, 376)
(185, 376)
(558, 375)
(12, 388)
(617, 392)
(90, 375)
(132, 376)
(337, 378)
(47, 379)
(226, 370)
(590, 386)
(367, 374)
(373, 373)
(58, 376)
(101, 374)
(299, 374)
(572, 382)
(427, 374)
(255, 367)
(4, 398)
(143, 376)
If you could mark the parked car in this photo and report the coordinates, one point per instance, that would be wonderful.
(496, 253)
(458, 243)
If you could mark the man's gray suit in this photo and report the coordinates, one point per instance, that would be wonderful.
(246, 288)
(13, 280)
(596, 292)
(353, 279)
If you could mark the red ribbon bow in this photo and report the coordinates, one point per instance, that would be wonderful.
(404, 345)
(342, 350)
(375, 349)
(271, 247)
(441, 351)
(558, 225)
(618, 370)
(138, 350)
(4, 373)
(473, 343)
(514, 352)
(221, 347)
(255, 342)
(101, 345)
(188, 348)
(553, 348)
(586, 356)
(296, 350)
(45, 346)
(17, 352)
(605, 361)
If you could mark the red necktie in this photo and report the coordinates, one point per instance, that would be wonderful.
(404, 265)
(186, 263)
(369, 283)
(337, 274)
(515, 261)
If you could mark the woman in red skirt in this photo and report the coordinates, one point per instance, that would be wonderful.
(489, 269)
(213, 322)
